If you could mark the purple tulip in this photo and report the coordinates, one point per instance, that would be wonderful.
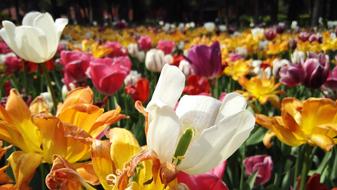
(292, 75)
(316, 70)
(304, 36)
(331, 81)
(206, 61)
(262, 164)
(270, 33)
(312, 73)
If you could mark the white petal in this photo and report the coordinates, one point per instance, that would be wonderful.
(169, 87)
(60, 23)
(218, 143)
(233, 103)
(46, 23)
(28, 19)
(163, 132)
(197, 112)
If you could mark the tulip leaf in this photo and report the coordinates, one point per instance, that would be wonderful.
(183, 145)
(256, 136)
(251, 180)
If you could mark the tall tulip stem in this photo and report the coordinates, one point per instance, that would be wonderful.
(305, 167)
(49, 84)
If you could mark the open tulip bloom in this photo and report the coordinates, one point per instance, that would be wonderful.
(38, 37)
(201, 132)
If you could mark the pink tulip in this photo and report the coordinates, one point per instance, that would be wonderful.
(108, 74)
(166, 46)
(211, 180)
(262, 164)
(75, 65)
(13, 64)
(144, 43)
(116, 49)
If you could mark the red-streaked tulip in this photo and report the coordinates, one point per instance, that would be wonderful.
(262, 164)
(108, 74)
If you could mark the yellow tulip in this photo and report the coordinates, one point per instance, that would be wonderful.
(311, 121)
(238, 69)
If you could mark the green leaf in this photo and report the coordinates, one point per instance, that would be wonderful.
(251, 180)
(256, 137)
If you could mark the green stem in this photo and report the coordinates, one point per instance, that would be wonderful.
(305, 166)
(50, 86)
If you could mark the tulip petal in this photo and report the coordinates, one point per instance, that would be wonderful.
(28, 19)
(233, 103)
(169, 87)
(60, 24)
(101, 160)
(219, 142)
(163, 132)
(23, 166)
(198, 112)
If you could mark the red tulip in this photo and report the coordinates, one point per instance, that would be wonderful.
(314, 183)
(108, 74)
(75, 65)
(197, 85)
(144, 43)
(211, 180)
(166, 46)
(270, 33)
(262, 164)
(140, 90)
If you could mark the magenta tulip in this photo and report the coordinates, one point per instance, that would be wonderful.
(291, 75)
(270, 33)
(144, 43)
(211, 180)
(316, 70)
(262, 164)
(75, 65)
(331, 81)
(166, 46)
(206, 61)
(108, 74)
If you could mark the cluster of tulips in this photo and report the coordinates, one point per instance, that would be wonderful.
(166, 107)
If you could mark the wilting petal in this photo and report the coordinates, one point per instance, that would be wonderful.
(87, 172)
(23, 166)
(101, 161)
(63, 176)
(123, 146)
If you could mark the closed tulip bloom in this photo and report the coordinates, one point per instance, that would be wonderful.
(108, 74)
(201, 132)
(331, 82)
(291, 75)
(316, 71)
(116, 49)
(140, 90)
(166, 46)
(144, 43)
(262, 164)
(38, 37)
(75, 65)
(206, 61)
(155, 60)
(270, 33)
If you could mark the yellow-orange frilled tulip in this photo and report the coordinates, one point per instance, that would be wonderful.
(261, 89)
(238, 69)
(41, 135)
(312, 121)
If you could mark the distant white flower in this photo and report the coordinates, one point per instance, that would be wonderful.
(155, 60)
(185, 67)
(294, 25)
(222, 28)
(257, 32)
(297, 56)
(132, 77)
(209, 26)
(278, 64)
(242, 51)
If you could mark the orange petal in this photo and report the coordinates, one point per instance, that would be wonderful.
(77, 96)
(24, 166)
(87, 172)
(16, 108)
(323, 141)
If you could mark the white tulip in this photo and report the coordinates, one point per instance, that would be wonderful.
(278, 64)
(209, 26)
(216, 129)
(132, 78)
(185, 67)
(38, 37)
(222, 28)
(297, 56)
(134, 52)
(257, 32)
(294, 25)
(155, 60)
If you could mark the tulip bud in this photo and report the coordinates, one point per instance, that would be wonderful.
(262, 164)
(155, 60)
